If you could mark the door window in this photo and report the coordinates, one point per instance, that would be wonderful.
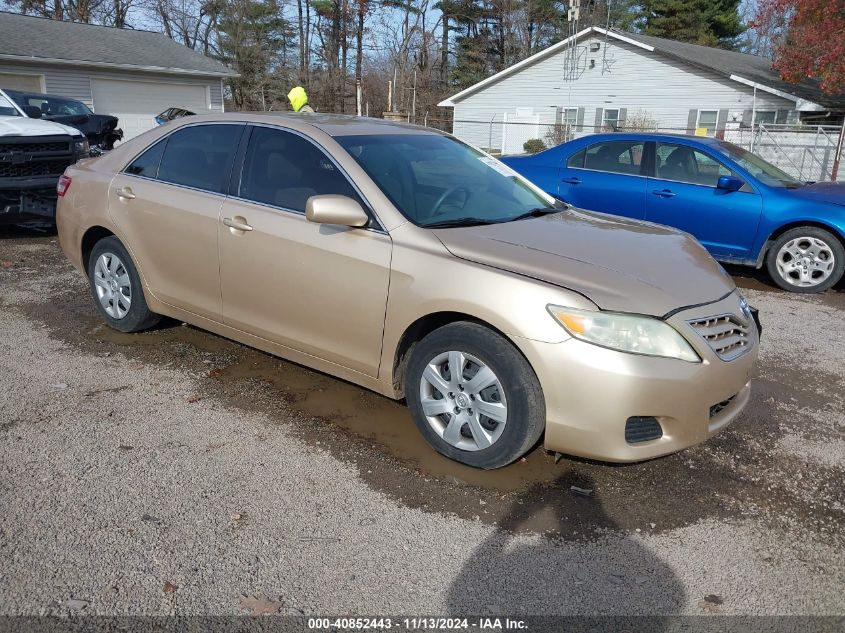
(283, 169)
(200, 156)
(147, 163)
(682, 163)
(618, 157)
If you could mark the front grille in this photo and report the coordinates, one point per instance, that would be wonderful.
(726, 335)
(35, 147)
(35, 168)
(642, 429)
(720, 406)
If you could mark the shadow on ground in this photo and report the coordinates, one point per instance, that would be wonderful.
(509, 575)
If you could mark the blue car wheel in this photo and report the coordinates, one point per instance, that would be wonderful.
(806, 259)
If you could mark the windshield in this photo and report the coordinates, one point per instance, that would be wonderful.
(7, 108)
(436, 180)
(53, 106)
(762, 170)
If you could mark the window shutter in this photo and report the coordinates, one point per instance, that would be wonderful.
(692, 119)
(558, 116)
(623, 114)
(746, 117)
(598, 120)
(781, 116)
(722, 120)
(579, 120)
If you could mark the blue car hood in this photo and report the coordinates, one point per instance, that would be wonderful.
(826, 192)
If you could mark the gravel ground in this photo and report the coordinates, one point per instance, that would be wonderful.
(154, 474)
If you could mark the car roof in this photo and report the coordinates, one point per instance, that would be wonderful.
(21, 93)
(646, 136)
(331, 124)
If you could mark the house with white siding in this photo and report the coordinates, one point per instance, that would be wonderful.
(131, 74)
(604, 79)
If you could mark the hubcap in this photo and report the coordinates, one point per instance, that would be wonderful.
(111, 281)
(463, 401)
(805, 261)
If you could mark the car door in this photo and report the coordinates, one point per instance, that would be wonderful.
(683, 193)
(607, 176)
(167, 205)
(316, 288)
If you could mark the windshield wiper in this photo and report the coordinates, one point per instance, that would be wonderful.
(455, 222)
(537, 213)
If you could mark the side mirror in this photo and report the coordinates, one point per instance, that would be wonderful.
(33, 112)
(730, 183)
(335, 209)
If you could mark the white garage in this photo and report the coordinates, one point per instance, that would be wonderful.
(135, 103)
(131, 74)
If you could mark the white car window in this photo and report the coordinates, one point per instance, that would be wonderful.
(7, 108)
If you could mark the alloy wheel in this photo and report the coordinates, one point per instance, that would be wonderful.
(113, 286)
(463, 401)
(805, 261)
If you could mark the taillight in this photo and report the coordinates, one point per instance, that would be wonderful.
(63, 185)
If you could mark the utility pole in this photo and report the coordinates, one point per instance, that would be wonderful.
(834, 173)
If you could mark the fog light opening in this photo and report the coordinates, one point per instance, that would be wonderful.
(642, 429)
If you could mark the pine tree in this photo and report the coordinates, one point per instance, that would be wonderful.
(706, 22)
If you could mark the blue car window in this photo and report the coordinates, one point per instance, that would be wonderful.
(682, 163)
(577, 159)
(618, 157)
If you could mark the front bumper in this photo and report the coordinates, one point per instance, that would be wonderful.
(591, 391)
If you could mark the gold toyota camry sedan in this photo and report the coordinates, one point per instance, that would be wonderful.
(410, 263)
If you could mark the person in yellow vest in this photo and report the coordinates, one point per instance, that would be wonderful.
(299, 100)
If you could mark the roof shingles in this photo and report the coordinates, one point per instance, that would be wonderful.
(37, 39)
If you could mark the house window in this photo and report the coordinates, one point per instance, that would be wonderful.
(765, 117)
(570, 116)
(611, 120)
(707, 119)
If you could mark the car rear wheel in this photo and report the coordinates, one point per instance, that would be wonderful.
(473, 396)
(806, 260)
(116, 288)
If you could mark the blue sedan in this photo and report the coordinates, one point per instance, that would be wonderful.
(743, 209)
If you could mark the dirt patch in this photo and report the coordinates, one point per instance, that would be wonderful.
(731, 476)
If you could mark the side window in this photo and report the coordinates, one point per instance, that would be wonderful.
(200, 156)
(283, 169)
(147, 163)
(685, 164)
(618, 157)
(577, 159)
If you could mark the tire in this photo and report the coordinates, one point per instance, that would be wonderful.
(451, 421)
(116, 288)
(820, 250)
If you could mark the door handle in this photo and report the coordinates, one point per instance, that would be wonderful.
(664, 193)
(572, 181)
(125, 193)
(238, 223)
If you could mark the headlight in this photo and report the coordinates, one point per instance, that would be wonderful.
(625, 332)
(82, 147)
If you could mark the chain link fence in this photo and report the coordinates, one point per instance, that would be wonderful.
(806, 152)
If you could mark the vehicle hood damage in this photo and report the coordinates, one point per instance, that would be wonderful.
(620, 264)
(100, 129)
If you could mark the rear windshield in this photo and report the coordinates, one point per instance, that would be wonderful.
(432, 178)
(53, 106)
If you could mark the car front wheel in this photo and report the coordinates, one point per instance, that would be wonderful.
(806, 260)
(116, 287)
(473, 396)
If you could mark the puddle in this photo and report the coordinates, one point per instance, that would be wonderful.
(368, 415)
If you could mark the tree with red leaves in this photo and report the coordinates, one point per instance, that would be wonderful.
(813, 41)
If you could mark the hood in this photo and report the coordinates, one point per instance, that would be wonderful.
(23, 126)
(619, 264)
(827, 192)
(88, 124)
